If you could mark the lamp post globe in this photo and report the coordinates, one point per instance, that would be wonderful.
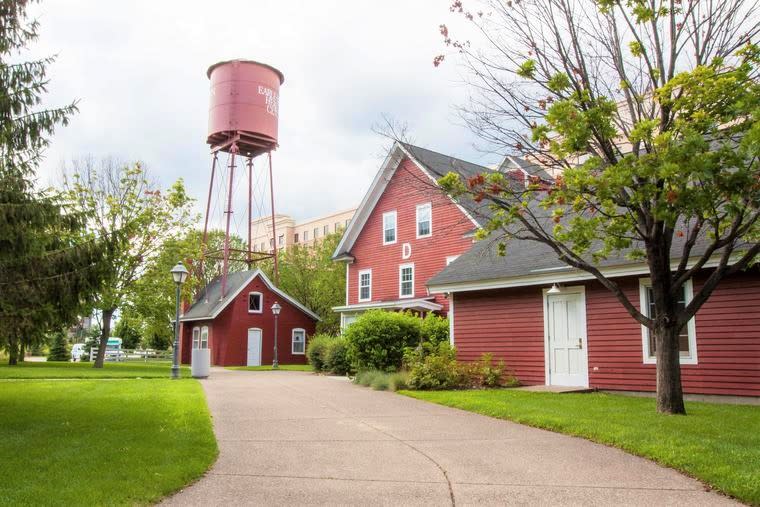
(179, 274)
(276, 312)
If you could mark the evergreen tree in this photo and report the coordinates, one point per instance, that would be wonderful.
(59, 350)
(47, 272)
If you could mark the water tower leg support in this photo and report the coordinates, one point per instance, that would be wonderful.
(274, 233)
(250, 211)
(208, 210)
(225, 266)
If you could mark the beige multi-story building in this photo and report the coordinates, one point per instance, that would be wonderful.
(289, 232)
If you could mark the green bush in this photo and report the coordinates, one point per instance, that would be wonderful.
(484, 373)
(380, 382)
(383, 381)
(377, 339)
(59, 350)
(335, 356)
(365, 378)
(398, 380)
(435, 329)
(315, 350)
(438, 370)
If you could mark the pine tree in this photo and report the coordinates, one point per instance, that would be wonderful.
(59, 350)
(48, 269)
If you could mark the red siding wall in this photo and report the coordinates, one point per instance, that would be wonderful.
(408, 187)
(228, 333)
(509, 323)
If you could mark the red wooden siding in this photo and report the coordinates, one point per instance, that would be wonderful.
(408, 187)
(509, 323)
(228, 333)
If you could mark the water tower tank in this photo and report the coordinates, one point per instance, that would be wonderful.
(244, 106)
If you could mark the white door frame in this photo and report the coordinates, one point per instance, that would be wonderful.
(580, 290)
(247, 343)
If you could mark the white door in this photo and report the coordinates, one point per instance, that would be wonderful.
(254, 347)
(567, 357)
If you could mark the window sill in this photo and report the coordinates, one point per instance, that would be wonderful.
(256, 312)
(683, 360)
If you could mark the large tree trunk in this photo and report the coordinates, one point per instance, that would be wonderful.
(22, 352)
(669, 390)
(12, 352)
(104, 335)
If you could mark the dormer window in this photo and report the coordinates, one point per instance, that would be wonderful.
(255, 302)
(424, 220)
(389, 227)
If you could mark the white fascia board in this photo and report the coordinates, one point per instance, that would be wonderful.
(550, 278)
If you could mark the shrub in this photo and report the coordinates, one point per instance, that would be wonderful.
(437, 370)
(377, 339)
(335, 356)
(434, 329)
(398, 380)
(380, 382)
(365, 378)
(315, 350)
(59, 350)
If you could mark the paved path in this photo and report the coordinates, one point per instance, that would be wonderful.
(295, 438)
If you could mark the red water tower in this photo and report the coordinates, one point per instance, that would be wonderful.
(242, 124)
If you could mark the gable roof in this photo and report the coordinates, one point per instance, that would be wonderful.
(435, 165)
(511, 163)
(209, 303)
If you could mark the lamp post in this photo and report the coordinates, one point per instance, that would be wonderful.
(179, 273)
(276, 311)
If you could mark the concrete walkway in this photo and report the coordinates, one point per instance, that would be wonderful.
(290, 438)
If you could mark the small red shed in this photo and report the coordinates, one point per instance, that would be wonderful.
(239, 328)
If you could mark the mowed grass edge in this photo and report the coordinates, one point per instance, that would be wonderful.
(718, 444)
(62, 370)
(89, 442)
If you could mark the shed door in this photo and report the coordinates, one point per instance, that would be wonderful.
(567, 359)
(254, 347)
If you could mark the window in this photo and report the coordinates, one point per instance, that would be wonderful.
(281, 240)
(389, 228)
(316, 232)
(299, 341)
(203, 344)
(406, 280)
(255, 302)
(688, 337)
(325, 230)
(295, 238)
(365, 285)
(271, 242)
(305, 236)
(196, 337)
(450, 259)
(424, 220)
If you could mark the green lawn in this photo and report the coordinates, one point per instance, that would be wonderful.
(286, 367)
(92, 442)
(718, 444)
(28, 370)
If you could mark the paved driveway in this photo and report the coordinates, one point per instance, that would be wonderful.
(297, 438)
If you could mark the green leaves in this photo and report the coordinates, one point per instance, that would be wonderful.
(527, 69)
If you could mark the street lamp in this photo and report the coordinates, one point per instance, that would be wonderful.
(179, 273)
(276, 311)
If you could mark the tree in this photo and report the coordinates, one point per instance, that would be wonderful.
(309, 275)
(647, 110)
(59, 349)
(48, 274)
(118, 197)
(127, 328)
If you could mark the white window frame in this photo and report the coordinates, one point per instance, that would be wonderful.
(196, 337)
(421, 207)
(261, 302)
(691, 326)
(305, 236)
(395, 227)
(451, 258)
(400, 280)
(203, 342)
(293, 341)
(359, 282)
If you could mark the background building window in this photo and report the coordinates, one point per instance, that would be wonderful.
(687, 339)
(316, 232)
(389, 228)
(325, 230)
(255, 302)
(305, 236)
(424, 220)
(406, 280)
(299, 341)
(295, 238)
(281, 240)
(196, 337)
(204, 338)
(365, 285)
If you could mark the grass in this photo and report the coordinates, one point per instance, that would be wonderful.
(55, 370)
(716, 443)
(285, 367)
(91, 442)
(382, 381)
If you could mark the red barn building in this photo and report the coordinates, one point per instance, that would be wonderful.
(239, 328)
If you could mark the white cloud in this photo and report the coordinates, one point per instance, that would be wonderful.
(138, 69)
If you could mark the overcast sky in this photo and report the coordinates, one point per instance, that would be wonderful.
(138, 70)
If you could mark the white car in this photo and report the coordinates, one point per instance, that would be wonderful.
(77, 351)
